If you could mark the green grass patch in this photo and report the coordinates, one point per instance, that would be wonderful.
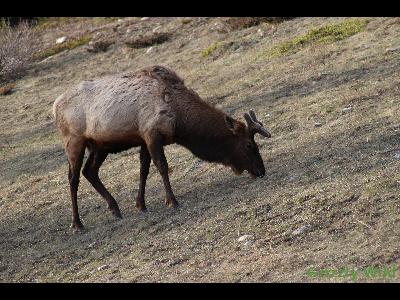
(206, 52)
(103, 20)
(322, 35)
(3, 22)
(68, 45)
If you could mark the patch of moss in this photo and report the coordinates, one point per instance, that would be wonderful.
(103, 20)
(206, 52)
(68, 45)
(322, 35)
(3, 22)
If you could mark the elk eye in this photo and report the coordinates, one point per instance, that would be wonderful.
(249, 145)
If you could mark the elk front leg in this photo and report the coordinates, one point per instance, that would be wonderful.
(156, 150)
(145, 160)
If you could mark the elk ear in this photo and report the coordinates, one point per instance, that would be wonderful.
(230, 123)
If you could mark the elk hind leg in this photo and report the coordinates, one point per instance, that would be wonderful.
(91, 173)
(75, 150)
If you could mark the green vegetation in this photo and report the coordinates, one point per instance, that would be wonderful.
(68, 45)
(103, 20)
(3, 22)
(323, 35)
(206, 52)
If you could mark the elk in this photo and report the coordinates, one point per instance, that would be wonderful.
(149, 108)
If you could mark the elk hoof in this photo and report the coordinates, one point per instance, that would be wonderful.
(141, 208)
(116, 213)
(172, 203)
(77, 225)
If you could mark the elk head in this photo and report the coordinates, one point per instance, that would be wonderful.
(245, 154)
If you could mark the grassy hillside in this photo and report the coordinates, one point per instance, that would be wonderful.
(328, 90)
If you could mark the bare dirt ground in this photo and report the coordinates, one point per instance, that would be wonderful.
(329, 200)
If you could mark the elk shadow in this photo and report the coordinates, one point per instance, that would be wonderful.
(46, 237)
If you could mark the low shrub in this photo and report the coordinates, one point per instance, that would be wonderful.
(143, 41)
(238, 23)
(17, 47)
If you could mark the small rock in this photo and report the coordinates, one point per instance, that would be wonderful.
(397, 155)
(91, 245)
(149, 50)
(245, 238)
(301, 229)
(156, 28)
(47, 58)
(317, 124)
(128, 30)
(247, 244)
(239, 49)
(61, 40)
(218, 106)
(144, 18)
(347, 109)
(119, 20)
(260, 32)
(103, 267)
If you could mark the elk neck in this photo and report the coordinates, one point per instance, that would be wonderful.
(202, 130)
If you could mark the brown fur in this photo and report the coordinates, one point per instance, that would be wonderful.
(149, 108)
